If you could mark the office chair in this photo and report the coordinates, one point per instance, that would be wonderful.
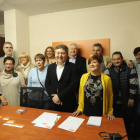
(32, 97)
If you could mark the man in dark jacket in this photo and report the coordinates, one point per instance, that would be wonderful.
(125, 83)
(61, 82)
(79, 61)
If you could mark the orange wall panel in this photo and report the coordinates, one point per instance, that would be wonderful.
(85, 46)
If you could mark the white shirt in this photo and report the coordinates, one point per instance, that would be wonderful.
(59, 70)
(72, 60)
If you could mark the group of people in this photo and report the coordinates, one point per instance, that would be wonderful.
(106, 87)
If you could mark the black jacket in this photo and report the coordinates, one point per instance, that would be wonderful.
(121, 81)
(65, 87)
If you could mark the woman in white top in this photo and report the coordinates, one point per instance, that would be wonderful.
(10, 82)
(25, 65)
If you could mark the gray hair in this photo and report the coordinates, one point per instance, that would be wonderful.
(98, 45)
(74, 45)
(7, 43)
(64, 47)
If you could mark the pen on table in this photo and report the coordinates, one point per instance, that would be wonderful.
(56, 120)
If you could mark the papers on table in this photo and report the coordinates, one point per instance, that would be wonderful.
(46, 120)
(14, 125)
(96, 121)
(71, 124)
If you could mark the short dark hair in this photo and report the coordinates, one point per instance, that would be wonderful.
(95, 57)
(9, 58)
(117, 52)
(136, 50)
(64, 47)
(39, 55)
(7, 43)
(98, 45)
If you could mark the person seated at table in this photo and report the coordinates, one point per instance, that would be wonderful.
(10, 82)
(25, 65)
(3, 100)
(95, 91)
(36, 78)
(49, 56)
(61, 82)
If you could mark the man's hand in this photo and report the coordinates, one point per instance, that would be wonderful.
(56, 99)
(109, 65)
(130, 103)
(130, 64)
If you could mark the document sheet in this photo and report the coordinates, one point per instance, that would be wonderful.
(71, 123)
(93, 120)
(46, 120)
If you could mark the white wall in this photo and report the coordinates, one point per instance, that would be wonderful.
(119, 22)
(17, 30)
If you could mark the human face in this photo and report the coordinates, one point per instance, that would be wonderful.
(137, 56)
(8, 49)
(49, 53)
(97, 51)
(39, 63)
(24, 60)
(117, 60)
(95, 65)
(73, 50)
(9, 66)
(61, 56)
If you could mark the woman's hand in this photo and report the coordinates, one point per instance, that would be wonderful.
(23, 85)
(4, 102)
(110, 117)
(76, 113)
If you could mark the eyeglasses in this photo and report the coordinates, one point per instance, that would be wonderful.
(73, 49)
(10, 64)
(9, 47)
(23, 57)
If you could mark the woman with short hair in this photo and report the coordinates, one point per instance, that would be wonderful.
(10, 83)
(25, 65)
(95, 92)
(37, 75)
(49, 56)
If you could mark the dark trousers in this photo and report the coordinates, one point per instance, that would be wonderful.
(63, 108)
(127, 113)
(137, 117)
(37, 104)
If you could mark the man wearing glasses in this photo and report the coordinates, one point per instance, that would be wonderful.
(8, 50)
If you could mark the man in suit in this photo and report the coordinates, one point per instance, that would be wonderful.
(61, 82)
(8, 50)
(80, 62)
